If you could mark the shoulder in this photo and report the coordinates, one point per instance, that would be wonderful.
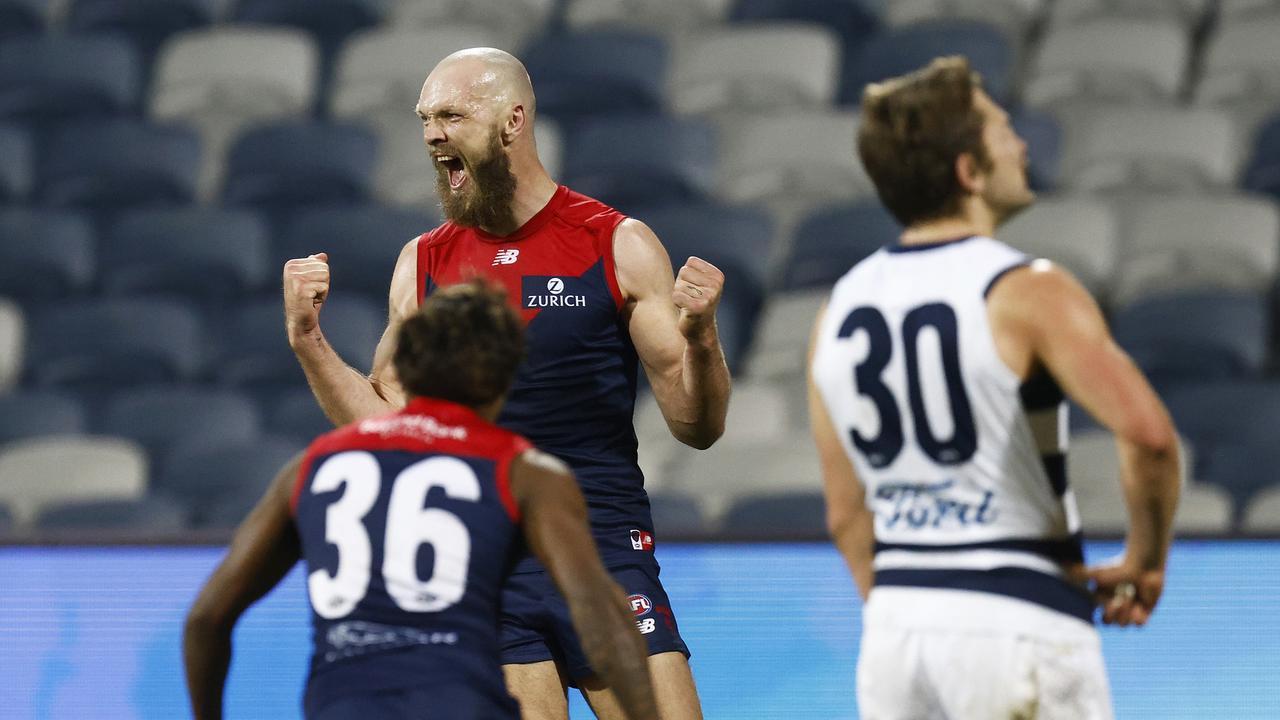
(583, 211)
(437, 236)
(1040, 294)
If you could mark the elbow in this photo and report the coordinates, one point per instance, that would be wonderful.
(204, 620)
(699, 436)
(1156, 438)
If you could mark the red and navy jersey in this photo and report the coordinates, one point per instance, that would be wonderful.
(408, 527)
(574, 396)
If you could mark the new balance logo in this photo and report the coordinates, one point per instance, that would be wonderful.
(507, 256)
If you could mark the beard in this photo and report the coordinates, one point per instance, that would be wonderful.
(485, 199)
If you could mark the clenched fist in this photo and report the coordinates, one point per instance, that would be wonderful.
(697, 293)
(306, 285)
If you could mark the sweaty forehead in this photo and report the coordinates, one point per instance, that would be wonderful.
(459, 86)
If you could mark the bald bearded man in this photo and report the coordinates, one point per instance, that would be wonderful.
(597, 293)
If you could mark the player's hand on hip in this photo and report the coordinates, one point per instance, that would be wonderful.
(1126, 592)
(306, 285)
(697, 294)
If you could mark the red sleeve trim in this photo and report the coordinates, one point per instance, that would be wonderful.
(503, 477)
(610, 268)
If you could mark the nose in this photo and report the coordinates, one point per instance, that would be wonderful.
(433, 133)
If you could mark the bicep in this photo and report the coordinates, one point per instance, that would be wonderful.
(647, 281)
(402, 301)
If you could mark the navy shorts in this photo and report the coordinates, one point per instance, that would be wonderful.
(536, 624)
(436, 703)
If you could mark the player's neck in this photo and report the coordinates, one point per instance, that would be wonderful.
(534, 189)
(973, 220)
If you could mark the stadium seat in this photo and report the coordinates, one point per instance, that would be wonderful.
(12, 344)
(1262, 516)
(1204, 509)
(114, 164)
(161, 418)
(904, 49)
(202, 254)
(758, 414)
(1263, 173)
(763, 67)
(1014, 17)
(1241, 469)
(222, 481)
(1239, 65)
(16, 171)
(717, 479)
(816, 163)
(782, 338)
(670, 17)
(285, 166)
(1187, 13)
(148, 23)
(329, 21)
(677, 515)
(1196, 336)
(1131, 61)
(517, 20)
(852, 20)
(112, 343)
(6, 522)
(777, 516)
(46, 78)
(131, 517)
(1226, 414)
(1231, 12)
(1150, 148)
(255, 352)
(1094, 472)
(1080, 233)
(382, 71)
(32, 413)
(363, 242)
(44, 471)
(1175, 243)
(23, 17)
(832, 240)
(642, 161)
(296, 414)
(597, 73)
(44, 254)
(1043, 135)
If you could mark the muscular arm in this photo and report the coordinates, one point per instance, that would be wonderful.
(849, 521)
(345, 394)
(1042, 318)
(674, 332)
(265, 547)
(555, 524)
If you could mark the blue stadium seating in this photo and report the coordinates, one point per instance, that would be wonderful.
(284, 166)
(145, 516)
(222, 481)
(1263, 171)
(1225, 414)
(203, 254)
(255, 352)
(1043, 135)
(6, 521)
(148, 23)
(362, 242)
(330, 21)
(853, 20)
(902, 50)
(1196, 336)
(598, 73)
(295, 414)
(642, 161)
(44, 78)
(783, 515)
(161, 418)
(16, 171)
(1242, 468)
(44, 255)
(677, 514)
(22, 17)
(100, 344)
(831, 240)
(26, 414)
(114, 164)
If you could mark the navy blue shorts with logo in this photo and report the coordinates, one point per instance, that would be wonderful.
(536, 624)
(435, 703)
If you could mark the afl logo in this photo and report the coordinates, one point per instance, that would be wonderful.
(640, 604)
(555, 286)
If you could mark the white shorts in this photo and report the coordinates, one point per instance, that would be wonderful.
(958, 655)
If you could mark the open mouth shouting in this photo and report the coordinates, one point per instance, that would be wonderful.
(454, 167)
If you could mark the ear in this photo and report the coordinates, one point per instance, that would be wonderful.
(970, 176)
(515, 125)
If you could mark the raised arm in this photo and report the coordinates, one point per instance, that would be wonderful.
(346, 394)
(849, 520)
(555, 524)
(1043, 319)
(673, 326)
(263, 550)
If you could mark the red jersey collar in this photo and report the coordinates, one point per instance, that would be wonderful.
(534, 224)
(443, 409)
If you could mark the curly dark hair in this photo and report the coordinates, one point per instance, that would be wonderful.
(912, 130)
(463, 345)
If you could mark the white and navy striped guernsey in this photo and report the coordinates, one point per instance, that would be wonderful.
(963, 463)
